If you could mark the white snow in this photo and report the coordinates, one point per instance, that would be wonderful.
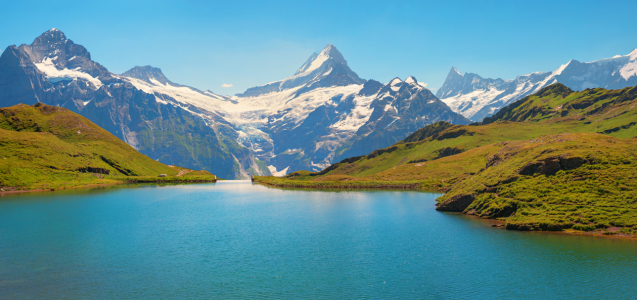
(358, 116)
(48, 67)
(394, 84)
(318, 61)
(410, 80)
(629, 70)
(279, 173)
(477, 98)
(181, 94)
(395, 81)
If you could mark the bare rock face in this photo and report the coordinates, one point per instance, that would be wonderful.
(552, 165)
(456, 203)
(547, 166)
(570, 163)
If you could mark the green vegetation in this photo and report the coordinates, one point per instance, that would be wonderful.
(555, 160)
(46, 148)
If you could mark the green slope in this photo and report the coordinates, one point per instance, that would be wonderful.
(47, 147)
(601, 126)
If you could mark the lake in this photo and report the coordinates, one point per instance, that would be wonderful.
(237, 240)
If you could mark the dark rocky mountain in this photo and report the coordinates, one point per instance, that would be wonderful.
(476, 97)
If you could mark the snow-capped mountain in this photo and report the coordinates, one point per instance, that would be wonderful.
(325, 69)
(321, 114)
(142, 108)
(476, 97)
(325, 113)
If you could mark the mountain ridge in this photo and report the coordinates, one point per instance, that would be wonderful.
(476, 97)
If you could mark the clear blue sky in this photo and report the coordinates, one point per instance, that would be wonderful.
(247, 43)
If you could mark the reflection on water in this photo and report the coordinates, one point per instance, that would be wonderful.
(238, 240)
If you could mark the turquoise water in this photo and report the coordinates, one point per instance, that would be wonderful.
(236, 240)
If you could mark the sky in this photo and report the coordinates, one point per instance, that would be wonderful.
(229, 46)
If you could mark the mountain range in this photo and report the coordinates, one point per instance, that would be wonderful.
(476, 98)
(324, 112)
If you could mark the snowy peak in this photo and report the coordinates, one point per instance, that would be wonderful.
(326, 69)
(317, 60)
(331, 52)
(395, 81)
(146, 73)
(476, 97)
(61, 60)
(411, 80)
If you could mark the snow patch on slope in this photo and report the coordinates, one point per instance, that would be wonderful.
(54, 75)
(279, 173)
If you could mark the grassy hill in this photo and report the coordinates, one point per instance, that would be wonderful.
(47, 147)
(481, 166)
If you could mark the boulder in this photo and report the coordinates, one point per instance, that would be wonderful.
(456, 203)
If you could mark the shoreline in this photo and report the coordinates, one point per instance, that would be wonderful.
(87, 186)
(351, 185)
(496, 223)
(118, 181)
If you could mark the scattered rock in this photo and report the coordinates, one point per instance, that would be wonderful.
(94, 170)
(494, 160)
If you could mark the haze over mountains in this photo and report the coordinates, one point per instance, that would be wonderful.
(320, 115)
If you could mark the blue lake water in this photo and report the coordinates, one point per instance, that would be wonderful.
(237, 240)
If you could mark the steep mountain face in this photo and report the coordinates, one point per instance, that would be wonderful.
(476, 97)
(55, 71)
(399, 108)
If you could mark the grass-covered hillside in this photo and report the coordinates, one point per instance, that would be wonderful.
(498, 168)
(47, 147)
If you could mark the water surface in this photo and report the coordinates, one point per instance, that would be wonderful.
(236, 240)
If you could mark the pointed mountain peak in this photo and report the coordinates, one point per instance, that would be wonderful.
(331, 51)
(316, 60)
(413, 81)
(146, 73)
(455, 71)
(633, 54)
(53, 35)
